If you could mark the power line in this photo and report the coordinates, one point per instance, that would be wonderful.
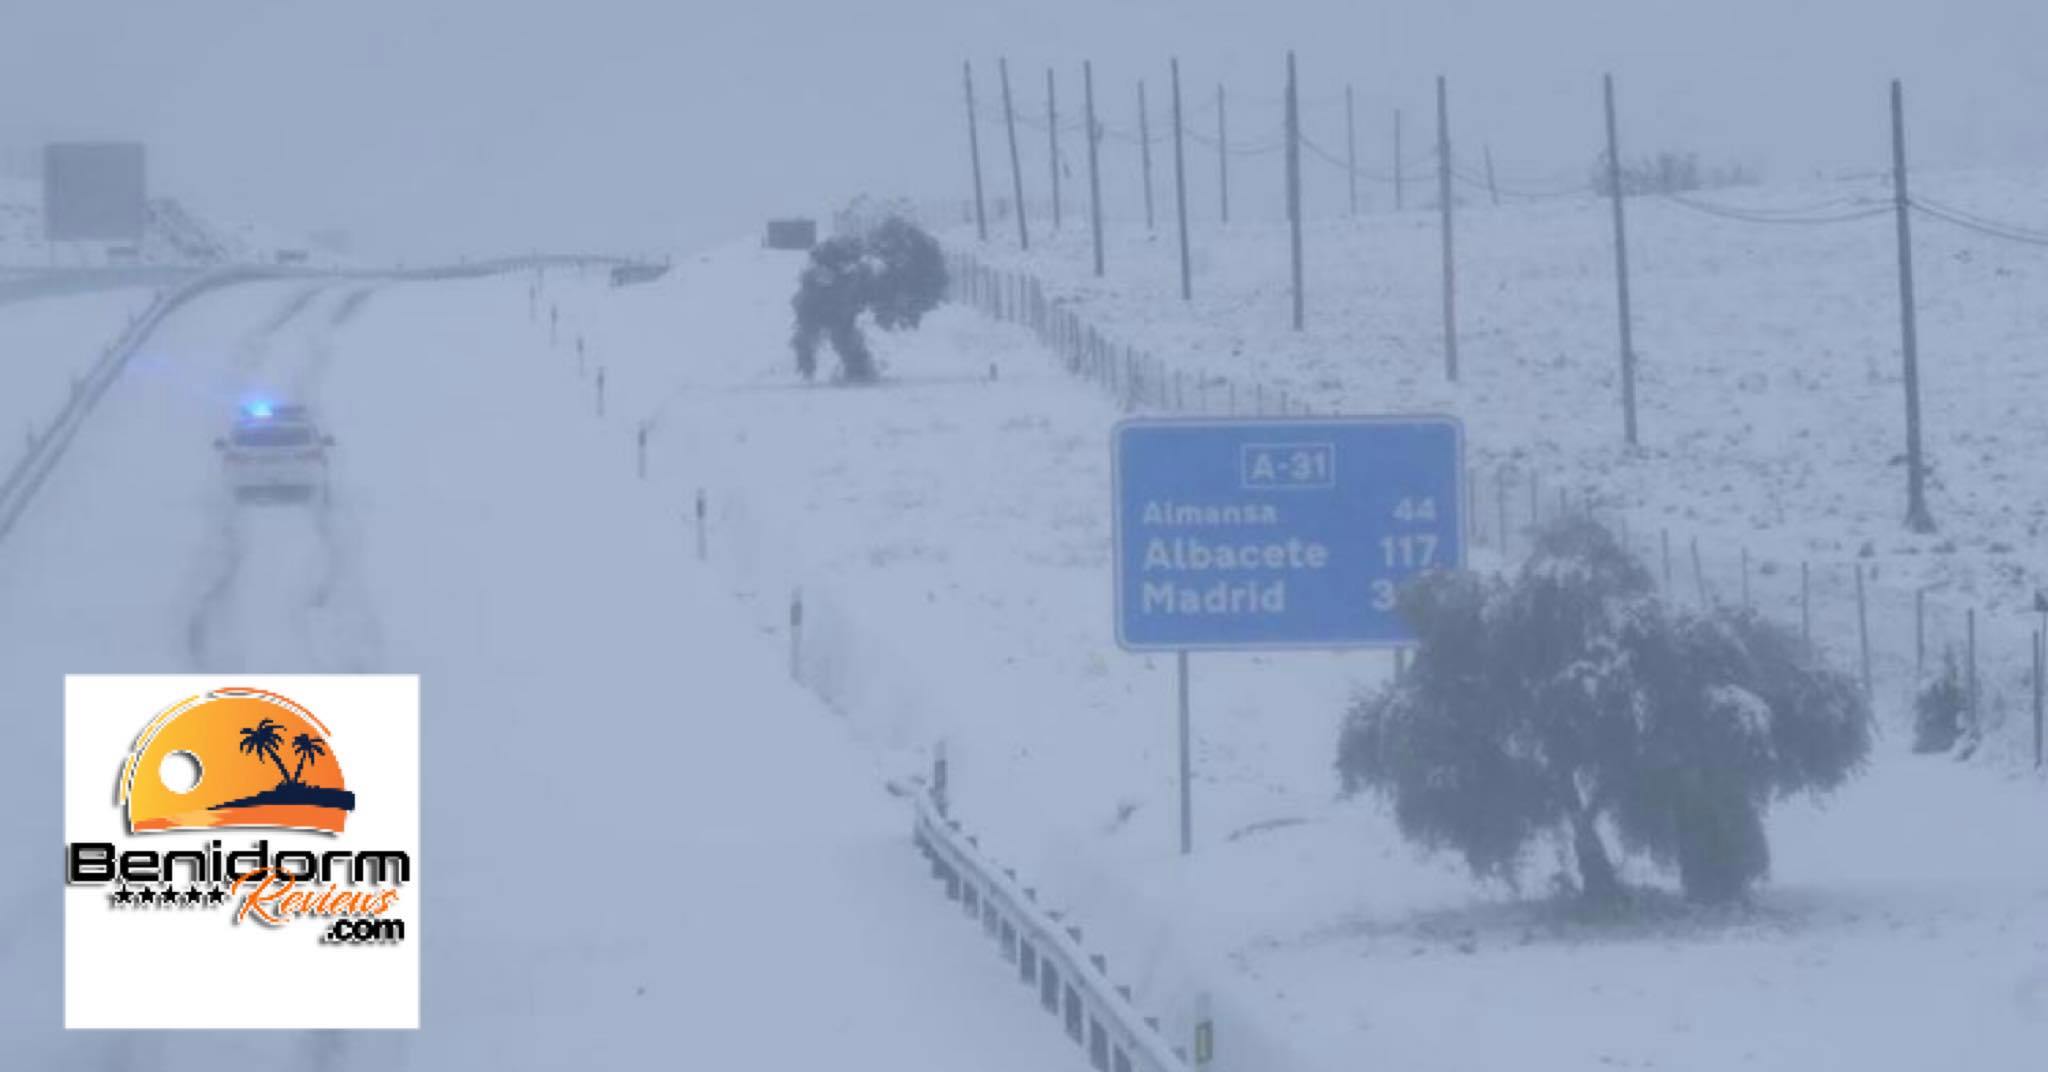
(1261, 149)
(1775, 216)
(1831, 206)
(1074, 125)
(1477, 182)
(1983, 225)
(1340, 164)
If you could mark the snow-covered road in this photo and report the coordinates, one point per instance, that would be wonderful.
(647, 848)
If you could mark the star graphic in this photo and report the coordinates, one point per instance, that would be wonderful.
(122, 896)
(217, 895)
(146, 895)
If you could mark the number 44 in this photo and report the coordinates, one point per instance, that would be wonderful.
(1415, 510)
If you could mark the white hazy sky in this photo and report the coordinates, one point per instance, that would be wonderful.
(432, 127)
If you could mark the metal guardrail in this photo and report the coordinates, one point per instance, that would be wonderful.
(1070, 982)
(26, 477)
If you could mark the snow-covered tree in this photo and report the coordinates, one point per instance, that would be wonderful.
(1572, 701)
(892, 272)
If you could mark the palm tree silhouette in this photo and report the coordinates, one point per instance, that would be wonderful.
(262, 740)
(309, 749)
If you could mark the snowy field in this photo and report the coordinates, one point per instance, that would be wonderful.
(706, 849)
(948, 531)
(1771, 404)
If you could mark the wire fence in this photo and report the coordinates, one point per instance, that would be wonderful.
(1895, 639)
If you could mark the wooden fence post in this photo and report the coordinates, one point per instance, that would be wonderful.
(2040, 656)
(1863, 631)
(1919, 636)
(1976, 723)
(1806, 605)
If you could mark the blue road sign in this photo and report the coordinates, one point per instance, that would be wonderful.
(1290, 533)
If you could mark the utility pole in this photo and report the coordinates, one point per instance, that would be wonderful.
(1145, 150)
(1180, 190)
(1628, 351)
(1443, 186)
(1351, 150)
(1222, 154)
(1400, 180)
(1094, 172)
(1016, 168)
(1492, 184)
(974, 153)
(1294, 183)
(1052, 134)
(1917, 517)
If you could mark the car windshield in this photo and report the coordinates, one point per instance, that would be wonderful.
(273, 435)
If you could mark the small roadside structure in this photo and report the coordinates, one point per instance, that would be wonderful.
(796, 233)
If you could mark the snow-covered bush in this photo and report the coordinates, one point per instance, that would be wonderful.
(1666, 172)
(1939, 710)
(893, 272)
(866, 212)
(1571, 700)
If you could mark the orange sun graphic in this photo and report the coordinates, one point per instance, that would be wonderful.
(262, 761)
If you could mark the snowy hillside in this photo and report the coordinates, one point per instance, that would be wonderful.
(1770, 395)
(948, 533)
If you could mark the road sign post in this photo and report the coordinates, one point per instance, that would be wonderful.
(1277, 534)
(1187, 762)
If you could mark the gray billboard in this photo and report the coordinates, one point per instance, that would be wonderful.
(94, 192)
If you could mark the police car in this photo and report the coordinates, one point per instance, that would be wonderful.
(275, 452)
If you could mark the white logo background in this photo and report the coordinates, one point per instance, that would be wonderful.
(193, 967)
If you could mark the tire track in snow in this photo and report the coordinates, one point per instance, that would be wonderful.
(312, 374)
(337, 622)
(250, 355)
(343, 631)
(207, 614)
(332, 630)
(340, 624)
(291, 310)
(330, 618)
